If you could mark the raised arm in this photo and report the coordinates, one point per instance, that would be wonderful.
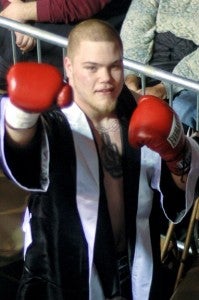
(155, 125)
(33, 88)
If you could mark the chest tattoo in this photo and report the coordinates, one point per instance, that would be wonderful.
(111, 158)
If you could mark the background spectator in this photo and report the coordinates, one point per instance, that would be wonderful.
(164, 34)
(58, 17)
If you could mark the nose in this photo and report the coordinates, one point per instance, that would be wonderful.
(105, 74)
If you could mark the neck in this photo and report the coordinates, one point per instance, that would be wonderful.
(106, 125)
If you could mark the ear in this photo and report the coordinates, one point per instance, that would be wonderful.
(68, 66)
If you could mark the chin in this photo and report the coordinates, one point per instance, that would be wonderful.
(109, 108)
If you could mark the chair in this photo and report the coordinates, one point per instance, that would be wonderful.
(191, 234)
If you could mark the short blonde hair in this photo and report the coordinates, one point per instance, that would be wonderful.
(92, 30)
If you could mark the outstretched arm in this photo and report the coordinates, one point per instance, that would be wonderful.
(33, 88)
(155, 125)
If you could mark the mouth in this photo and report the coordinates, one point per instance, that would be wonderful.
(105, 90)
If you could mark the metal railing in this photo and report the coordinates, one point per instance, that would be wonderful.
(143, 70)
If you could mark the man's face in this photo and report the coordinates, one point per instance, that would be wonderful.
(96, 76)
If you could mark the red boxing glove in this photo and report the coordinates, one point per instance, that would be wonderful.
(65, 96)
(34, 87)
(156, 125)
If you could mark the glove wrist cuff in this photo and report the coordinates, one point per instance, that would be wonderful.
(18, 118)
(181, 165)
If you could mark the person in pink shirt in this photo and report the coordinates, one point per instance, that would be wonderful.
(57, 11)
(48, 11)
(56, 16)
(53, 11)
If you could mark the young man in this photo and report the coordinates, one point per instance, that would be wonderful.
(92, 229)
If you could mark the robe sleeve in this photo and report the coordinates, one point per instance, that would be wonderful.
(29, 167)
(175, 202)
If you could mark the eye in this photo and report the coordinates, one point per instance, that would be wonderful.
(91, 68)
(116, 66)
